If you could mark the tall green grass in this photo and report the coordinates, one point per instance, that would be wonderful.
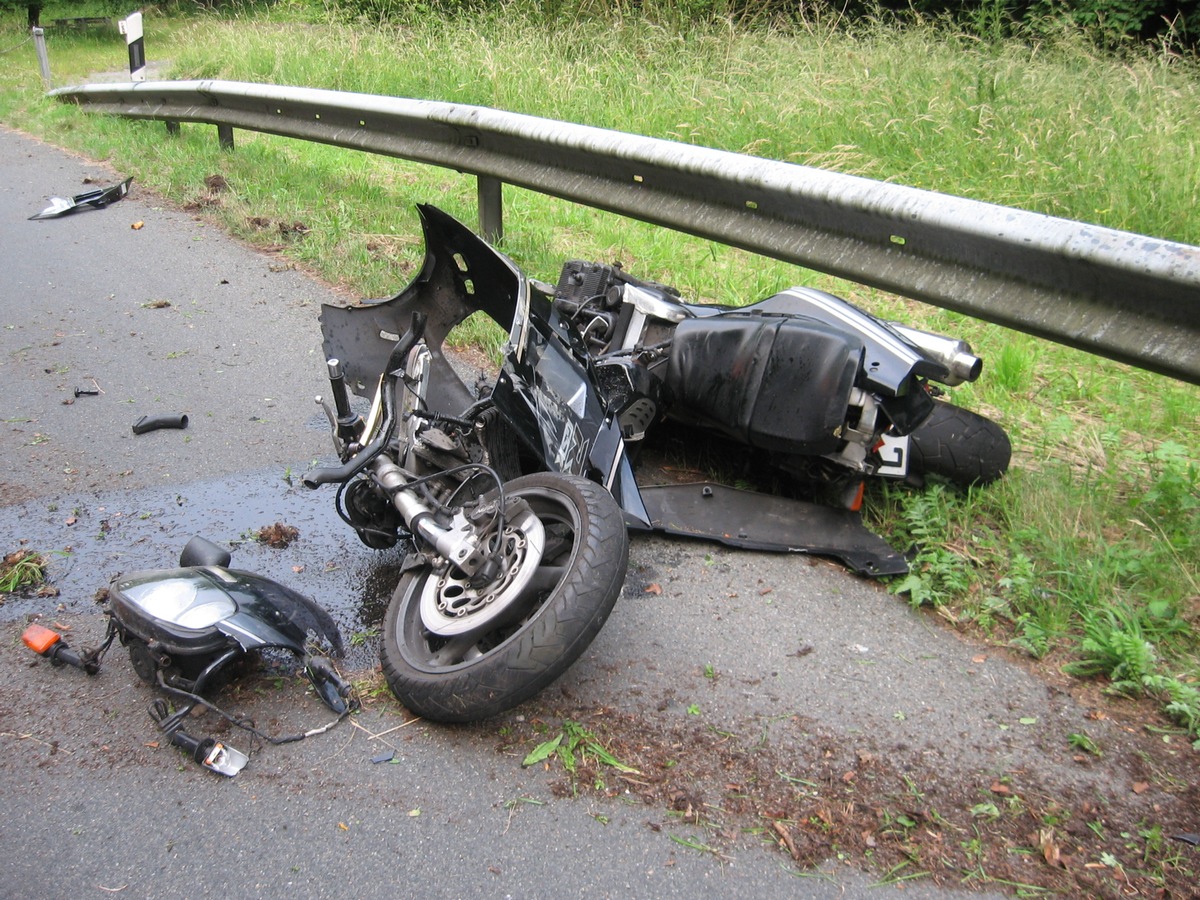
(1086, 553)
(1052, 128)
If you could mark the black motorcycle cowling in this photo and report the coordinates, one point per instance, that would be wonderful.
(461, 275)
(185, 627)
(193, 612)
(544, 392)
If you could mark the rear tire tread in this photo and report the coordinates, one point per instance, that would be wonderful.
(959, 445)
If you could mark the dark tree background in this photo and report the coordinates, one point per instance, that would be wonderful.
(1128, 18)
(34, 8)
(62, 8)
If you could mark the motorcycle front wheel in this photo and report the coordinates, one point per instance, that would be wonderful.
(960, 446)
(551, 614)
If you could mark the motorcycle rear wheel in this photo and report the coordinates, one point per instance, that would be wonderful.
(570, 596)
(960, 446)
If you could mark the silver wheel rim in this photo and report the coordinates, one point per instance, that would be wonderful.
(452, 607)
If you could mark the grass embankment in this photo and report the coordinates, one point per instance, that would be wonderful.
(1086, 555)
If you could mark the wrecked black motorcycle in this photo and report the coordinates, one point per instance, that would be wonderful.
(187, 629)
(516, 497)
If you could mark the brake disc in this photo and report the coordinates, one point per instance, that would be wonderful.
(452, 606)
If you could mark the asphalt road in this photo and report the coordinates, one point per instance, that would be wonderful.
(794, 662)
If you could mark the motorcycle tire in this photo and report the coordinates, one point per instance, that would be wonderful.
(472, 678)
(958, 445)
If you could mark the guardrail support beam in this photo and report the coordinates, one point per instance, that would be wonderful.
(491, 208)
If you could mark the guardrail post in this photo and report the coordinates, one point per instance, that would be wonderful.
(131, 27)
(39, 43)
(135, 40)
(491, 208)
(225, 136)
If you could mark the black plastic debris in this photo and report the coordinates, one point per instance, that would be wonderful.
(98, 199)
(153, 423)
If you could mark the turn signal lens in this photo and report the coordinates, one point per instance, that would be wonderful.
(40, 639)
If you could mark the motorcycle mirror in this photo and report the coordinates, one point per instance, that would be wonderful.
(201, 552)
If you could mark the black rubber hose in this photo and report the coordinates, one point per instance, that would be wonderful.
(153, 423)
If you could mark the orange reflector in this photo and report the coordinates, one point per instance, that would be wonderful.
(39, 639)
(856, 503)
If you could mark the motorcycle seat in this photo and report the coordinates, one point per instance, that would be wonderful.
(775, 382)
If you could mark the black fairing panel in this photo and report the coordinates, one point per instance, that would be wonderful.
(772, 382)
(272, 615)
(461, 274)
(757, 521)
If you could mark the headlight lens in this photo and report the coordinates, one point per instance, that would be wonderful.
(186, 600)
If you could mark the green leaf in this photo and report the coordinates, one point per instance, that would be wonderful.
(609, 760)
(566, 754)
(542, 751)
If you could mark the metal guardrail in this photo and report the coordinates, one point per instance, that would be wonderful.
(1125, 296)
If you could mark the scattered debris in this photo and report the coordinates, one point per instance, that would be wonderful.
(98, 199)
(297, 228)
(785, 837)
(786, 782)
(215, 185)
(278, 535)
(286, 229)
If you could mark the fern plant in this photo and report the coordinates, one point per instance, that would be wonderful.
(936, 575)
(1114, 645)
(1183, 700)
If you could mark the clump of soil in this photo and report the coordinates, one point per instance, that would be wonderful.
(278, 535)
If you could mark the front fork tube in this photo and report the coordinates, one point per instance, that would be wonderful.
(459, 542)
